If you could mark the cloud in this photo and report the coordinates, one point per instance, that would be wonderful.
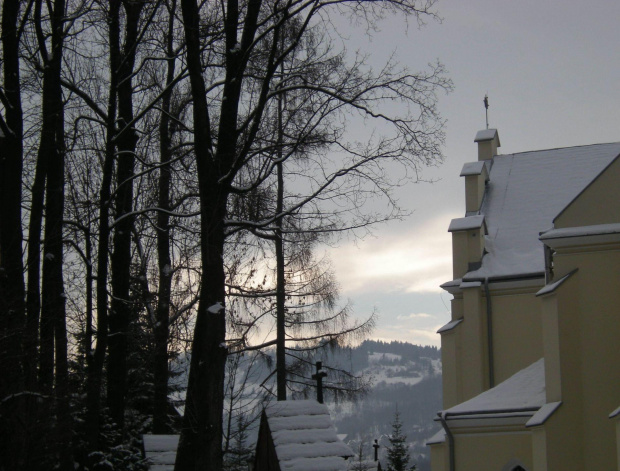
(414, 261)
(422, 336)
(419, 315)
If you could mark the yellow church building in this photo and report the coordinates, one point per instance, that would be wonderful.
(531, 356)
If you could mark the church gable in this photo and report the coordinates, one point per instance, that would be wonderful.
(597, 204)
(524, 193)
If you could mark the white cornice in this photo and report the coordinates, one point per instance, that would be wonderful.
(600, 234)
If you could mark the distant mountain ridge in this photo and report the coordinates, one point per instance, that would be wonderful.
(406, 377)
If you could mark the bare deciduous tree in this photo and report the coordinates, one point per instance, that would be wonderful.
(241, 43)
(175, 165)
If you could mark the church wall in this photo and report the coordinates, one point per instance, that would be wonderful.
(564, 430)
(440, 459)
(475, 245)
(459, 254)
(563, 441)
(517, 342)
(474, 191)
(467, 247)
(551, 343)
(450, 353)
(486, 451)
(617, 421)
(539, 449)
(487, 149)
(589, 311)
(473, 365)
(517, 333)
(450, 357)
(597, 204)
(456, 304)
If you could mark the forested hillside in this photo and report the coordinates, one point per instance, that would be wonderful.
(398, 376)
(406, 378)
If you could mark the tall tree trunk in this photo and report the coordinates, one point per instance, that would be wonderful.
(200, 444)
(88, 331)
(160, 396)
(47, 155)
(121, 308)
(33, 295)
(280, 264)
(13, 434)
(53, 359)
(96, 361)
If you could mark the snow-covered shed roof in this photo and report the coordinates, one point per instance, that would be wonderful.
(304, 437)
(524, 193)
(160, 451)
(523, 391)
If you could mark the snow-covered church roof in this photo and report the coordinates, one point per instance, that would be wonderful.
(523, 391)
(524, 193)
(304, 437)
(522, 397)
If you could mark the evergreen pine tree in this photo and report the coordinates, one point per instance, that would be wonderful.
(398, 453)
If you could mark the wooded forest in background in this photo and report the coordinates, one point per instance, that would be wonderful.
(168, 170)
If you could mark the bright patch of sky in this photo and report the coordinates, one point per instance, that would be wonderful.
(550, 70)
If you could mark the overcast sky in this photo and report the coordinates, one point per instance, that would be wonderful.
(552, 73)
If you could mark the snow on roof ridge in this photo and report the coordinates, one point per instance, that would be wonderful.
(559, 148)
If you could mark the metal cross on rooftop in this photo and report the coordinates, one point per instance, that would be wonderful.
(320, 374)
(486, 108)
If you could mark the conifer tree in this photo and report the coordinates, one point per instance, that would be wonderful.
(397, 453)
